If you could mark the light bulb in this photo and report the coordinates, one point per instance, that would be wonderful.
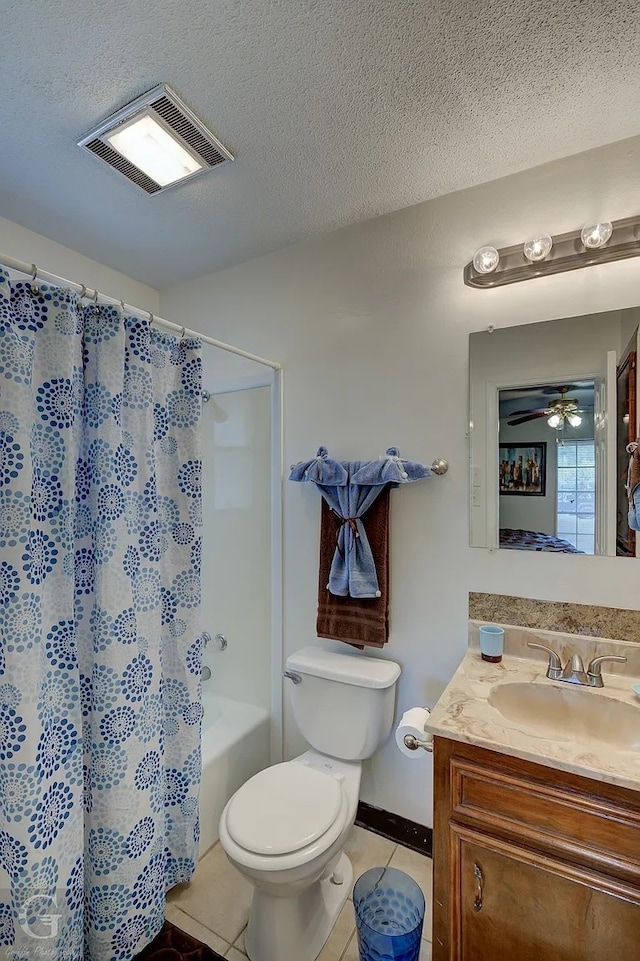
(574, 419)
(486, 259)
(596, 235)
(554, 421)
(538, 247)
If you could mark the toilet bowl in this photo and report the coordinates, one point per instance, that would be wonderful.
(285, 831)
(286, 828)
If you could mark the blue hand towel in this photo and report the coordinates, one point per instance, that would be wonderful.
(350, 488)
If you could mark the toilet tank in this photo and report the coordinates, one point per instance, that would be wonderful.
(344, 703)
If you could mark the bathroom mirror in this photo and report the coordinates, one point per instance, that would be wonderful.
(553, 407)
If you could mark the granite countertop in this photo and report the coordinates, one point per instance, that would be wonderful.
(464, 713)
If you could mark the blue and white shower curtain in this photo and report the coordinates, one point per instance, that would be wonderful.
(100, 659)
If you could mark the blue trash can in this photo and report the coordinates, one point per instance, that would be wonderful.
(389, 908)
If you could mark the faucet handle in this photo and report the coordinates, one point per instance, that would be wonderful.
(595, 667)
(554, 668)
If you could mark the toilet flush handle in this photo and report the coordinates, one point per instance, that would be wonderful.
(292, 676)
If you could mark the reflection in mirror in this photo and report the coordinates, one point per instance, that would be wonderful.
(552, 412)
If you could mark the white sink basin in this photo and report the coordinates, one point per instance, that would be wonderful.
(562, 712)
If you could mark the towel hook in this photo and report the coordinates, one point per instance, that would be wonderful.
(440, 466)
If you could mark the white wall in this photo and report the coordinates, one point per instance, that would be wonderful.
(372, 325)
(23, 244)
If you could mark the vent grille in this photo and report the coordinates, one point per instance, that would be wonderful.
(114, 159)
(176, 119)
(168, 110)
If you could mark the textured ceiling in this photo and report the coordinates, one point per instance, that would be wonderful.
(336, 110)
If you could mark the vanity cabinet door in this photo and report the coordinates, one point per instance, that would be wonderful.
(511, 903)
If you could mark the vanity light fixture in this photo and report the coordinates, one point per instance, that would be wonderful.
(596, 235)
(486, 260)
(538, 248)
(595, 243)
(156, 141)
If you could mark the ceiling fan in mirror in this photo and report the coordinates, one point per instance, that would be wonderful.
(560, 412)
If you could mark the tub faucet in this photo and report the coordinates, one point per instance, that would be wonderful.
(574, 671)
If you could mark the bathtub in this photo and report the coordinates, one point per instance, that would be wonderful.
(235, 746)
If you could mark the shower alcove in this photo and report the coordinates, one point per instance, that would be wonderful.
(241, 578)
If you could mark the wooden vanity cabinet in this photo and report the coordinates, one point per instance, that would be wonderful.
(531, 863)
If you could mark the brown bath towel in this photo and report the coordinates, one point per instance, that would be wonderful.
(357, 621)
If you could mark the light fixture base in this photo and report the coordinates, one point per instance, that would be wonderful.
(567, 253)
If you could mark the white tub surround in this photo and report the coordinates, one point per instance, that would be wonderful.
(235, 746)
(466, 712)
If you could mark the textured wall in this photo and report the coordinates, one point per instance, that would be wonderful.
(25, 245)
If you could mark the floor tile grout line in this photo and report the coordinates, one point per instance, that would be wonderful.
(391, 855)
(346, 947)
(198, 921)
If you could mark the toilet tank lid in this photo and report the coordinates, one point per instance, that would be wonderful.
(359, 670)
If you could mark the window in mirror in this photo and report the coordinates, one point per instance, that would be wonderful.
(576, 513)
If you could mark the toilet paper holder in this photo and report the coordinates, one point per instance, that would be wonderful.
(413, 743)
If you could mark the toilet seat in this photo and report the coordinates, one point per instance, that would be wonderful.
(284, 809)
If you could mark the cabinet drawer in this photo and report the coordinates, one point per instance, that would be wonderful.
(547, 815)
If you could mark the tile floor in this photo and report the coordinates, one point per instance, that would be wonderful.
(220, 921)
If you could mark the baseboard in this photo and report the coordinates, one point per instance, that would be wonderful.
(395, 828)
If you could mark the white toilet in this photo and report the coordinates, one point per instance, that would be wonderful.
(285, 829)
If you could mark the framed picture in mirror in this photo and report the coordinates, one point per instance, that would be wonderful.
(523, 469)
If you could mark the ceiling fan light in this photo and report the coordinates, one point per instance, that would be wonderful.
(574, 419)
(555, 421)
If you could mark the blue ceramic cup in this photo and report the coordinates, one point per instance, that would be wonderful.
(491, 642)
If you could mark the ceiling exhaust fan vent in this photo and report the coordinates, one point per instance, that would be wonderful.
(210, 149)
(114, 159)
(156, 141)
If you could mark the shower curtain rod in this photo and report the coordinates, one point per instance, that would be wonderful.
(35, 273)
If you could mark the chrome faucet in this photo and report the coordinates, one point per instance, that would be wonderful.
(574, 671)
